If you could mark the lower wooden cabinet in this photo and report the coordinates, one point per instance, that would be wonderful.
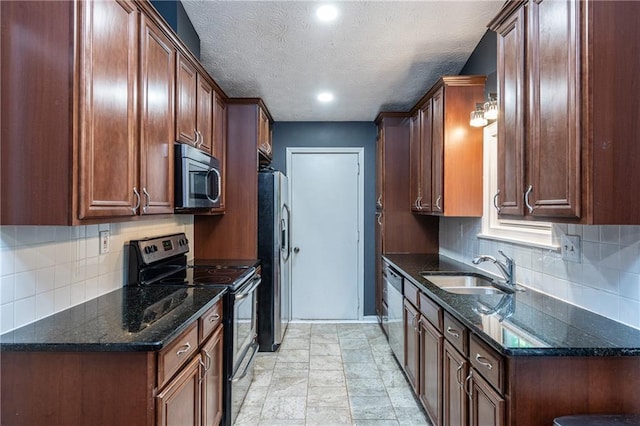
(486, 406)
(411, 344)
(179, 402)
(454, 370)
(212, 380)
(430, 393)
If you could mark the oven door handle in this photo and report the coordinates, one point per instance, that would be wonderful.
(249, 364)
(257, 280)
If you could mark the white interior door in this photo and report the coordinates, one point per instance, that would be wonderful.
(326, 193)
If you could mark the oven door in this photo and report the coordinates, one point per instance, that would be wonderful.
(245, 344)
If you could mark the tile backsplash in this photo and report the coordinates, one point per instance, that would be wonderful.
(606, 281)
(46, 269)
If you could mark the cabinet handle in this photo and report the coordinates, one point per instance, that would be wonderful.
(209, 361)
(526, 198)
(466, 381)
(458, 371)
(134, 209)
(452, 331)
(483, 361)
(438, 202)
(203, 371)
(214, 317)
(195, 142)
(495, 201)
(146, 205)
(379, 201)
(183, 349)
(379, 215)
(419, 203)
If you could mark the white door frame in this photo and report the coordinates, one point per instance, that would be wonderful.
(360, 152)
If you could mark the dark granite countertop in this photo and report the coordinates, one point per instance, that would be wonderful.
(526, 323)
(116, 321)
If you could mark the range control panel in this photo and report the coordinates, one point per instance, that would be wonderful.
(154, 249)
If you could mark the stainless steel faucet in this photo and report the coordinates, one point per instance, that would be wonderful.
(507, 268)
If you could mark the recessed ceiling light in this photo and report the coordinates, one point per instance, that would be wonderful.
(327, 12)
(325, 97)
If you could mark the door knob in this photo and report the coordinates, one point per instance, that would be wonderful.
(296, 249)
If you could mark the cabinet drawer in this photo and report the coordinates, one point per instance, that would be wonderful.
(174, 356)
(209, 321)
(487, 362)
(456, 333)
(430, 310)
(411, 293)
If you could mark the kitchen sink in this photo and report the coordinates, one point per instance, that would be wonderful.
(466, 284)
(464, 281)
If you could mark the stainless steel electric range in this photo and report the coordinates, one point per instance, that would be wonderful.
(163, 261)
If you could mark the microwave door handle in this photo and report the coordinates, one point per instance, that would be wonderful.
(208, 186)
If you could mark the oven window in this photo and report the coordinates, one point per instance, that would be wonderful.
(243, 326)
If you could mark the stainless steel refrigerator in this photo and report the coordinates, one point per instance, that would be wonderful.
(274, 294)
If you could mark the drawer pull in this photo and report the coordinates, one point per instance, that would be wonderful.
(453, 332)
(214, 318)
(483, 361)
(183, 349)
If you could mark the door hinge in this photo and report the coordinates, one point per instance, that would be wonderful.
(358, 235)
(358, 169)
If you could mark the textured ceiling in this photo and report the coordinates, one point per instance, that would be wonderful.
(376, 56)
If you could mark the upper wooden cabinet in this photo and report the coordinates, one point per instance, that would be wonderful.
(265, 144)
(567, 132)
(194, 106)
(108, 77)
(157, 71)
(91, 138)
(447, 180)
(219, 145)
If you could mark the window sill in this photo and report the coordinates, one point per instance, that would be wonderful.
(520, 241)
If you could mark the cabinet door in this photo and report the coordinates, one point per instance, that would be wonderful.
(455, 402)
(553, 58)
(219, 148)
(204, 114)
(414, 162)
(108, 84)
(437, 149)
(179, 403)
(411, 344)
(212, 381)
(264, 133)
(426, 138)
(487, 407)
(157, 71)
(380, 168)
(186, 89)
(380, 285)
(431, 371)
(511, 102)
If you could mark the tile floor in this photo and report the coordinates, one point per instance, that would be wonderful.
(330, 374)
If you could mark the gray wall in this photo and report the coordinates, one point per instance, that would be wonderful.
(173, 12)
(339, 134)
(484, 61)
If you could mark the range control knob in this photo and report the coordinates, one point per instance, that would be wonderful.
(147, 249)
(155, 248)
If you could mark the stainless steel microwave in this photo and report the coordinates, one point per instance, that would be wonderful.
(198, 182)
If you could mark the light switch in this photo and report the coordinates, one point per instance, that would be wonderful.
(571, 249)
(104, 242)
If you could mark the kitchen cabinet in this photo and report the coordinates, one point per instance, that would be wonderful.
(411, 345)
(178, 385)
(96, 154)
(194, 106)
(397, 230)
(431, 353)
(454, 370)
(448, 180)
(157, 75)
(219, 146)
(107, 161)
(486, 406)
(566, 144)
(265, 143)
(415, 153)
(241, 200)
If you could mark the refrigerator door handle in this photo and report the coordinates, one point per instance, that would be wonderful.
(284, 234)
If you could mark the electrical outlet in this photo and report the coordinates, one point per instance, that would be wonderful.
(571, 249)
(104, 242)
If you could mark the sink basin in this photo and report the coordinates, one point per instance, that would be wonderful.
(465, 284)
(465, 281)
(474, 290)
